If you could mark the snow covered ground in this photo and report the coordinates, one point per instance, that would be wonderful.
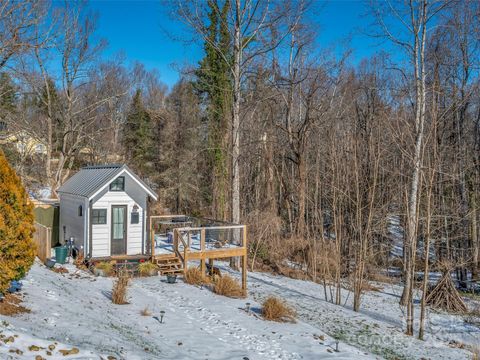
(378, 327)
(75, 309)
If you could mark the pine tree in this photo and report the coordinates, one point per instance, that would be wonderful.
(138, 136)
(17, 250)
(7, 94)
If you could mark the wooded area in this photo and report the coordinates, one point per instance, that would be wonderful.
(318, 154)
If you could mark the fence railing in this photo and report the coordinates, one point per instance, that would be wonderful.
(212, 238)
(207, 239)
(42, 239)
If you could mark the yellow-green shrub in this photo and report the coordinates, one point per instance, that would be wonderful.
(146, 268)
(105, 266)
(17, 250)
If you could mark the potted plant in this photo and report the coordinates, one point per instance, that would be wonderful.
(171, 278)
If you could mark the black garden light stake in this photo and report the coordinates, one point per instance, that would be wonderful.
(336, 346)
(162, 313)
(247, 307)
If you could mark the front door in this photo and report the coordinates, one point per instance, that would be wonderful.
(119, 230)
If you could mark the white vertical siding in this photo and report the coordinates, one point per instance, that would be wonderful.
(101, 233)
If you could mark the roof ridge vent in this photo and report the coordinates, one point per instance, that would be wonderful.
(104, 166)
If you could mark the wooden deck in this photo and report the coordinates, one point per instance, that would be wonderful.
(230, 239)
(119, 258)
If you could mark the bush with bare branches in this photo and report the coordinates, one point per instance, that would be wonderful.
(194, 276)
(120, 287)
(275, 309)
(228, 286)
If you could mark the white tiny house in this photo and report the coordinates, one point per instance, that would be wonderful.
(104, 210)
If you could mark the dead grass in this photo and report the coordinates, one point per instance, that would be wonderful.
(120, 287)
(80, 263)
(106, 267)
(228, 286)
(473, 316)
(275, 309)
(367, 286)
(194, 276)
(11, 305)
(60, 270)
(475, 350)
(146, 311)
(376, 275)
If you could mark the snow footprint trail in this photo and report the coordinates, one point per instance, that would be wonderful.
(230, 332)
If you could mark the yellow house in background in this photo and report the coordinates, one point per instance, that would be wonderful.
(24, 143)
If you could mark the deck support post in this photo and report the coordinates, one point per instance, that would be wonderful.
(244, 272)
(210, 262)
(202, 249)
(244, 260)
(152, 242)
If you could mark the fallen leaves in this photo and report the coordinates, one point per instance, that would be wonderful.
(72, 351)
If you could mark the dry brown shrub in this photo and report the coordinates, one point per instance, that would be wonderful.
(145, 311)
(194, 276)
(227, 286)
(10, 305)
(60, 270)
(381, 278)
(275, 309)
(264, 228)
(366, 286)
(475, 350)
(80, 262)
(120, 287)
(396, 263)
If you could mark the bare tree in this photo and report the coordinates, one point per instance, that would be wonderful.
(17, 22)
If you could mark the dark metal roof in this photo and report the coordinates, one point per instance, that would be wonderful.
(90, 179)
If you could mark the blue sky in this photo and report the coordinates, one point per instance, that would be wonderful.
(135, 29)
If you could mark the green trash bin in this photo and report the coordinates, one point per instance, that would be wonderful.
(61, 253)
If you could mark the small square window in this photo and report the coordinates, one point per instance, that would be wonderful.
(80, 210)
(118, 184)
(99, 216)
(135, 218)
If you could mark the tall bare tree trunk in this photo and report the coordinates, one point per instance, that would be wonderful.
(419, 31)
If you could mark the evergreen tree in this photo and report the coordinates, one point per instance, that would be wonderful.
(8, 102)
(17, 250)
(138, 136)
(7, 94)
(214, 84)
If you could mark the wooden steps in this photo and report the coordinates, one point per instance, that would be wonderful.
(169, 266)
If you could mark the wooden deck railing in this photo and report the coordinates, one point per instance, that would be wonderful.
(210, 242)
(202, 242)
(176, 248)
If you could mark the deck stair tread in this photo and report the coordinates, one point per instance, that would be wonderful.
(169, 265)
